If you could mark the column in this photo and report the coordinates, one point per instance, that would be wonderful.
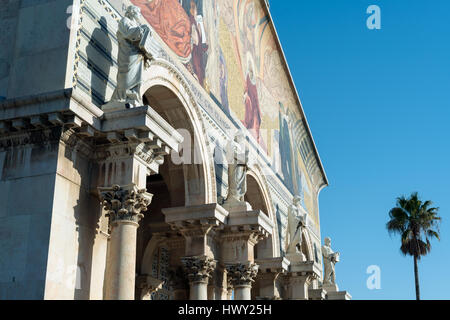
(241, 277)
(199, 270)
(125, 206)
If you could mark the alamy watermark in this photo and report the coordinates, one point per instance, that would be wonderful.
(374, 280)
(374, 20)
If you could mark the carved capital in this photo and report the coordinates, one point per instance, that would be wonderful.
(125, 203)
(242, 274)
(199, 268)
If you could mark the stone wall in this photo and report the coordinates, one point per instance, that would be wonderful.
(27, 185)
(34, 39)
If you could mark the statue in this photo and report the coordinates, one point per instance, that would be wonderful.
(330, 258)
(237, 172)
(133, 55)
(296, 223)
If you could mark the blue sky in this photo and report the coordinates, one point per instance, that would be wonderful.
(378, 104)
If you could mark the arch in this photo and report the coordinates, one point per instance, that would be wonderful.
(270, 247)
(162, 75)
(307, 246)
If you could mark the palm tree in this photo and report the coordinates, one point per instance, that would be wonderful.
(417, 222)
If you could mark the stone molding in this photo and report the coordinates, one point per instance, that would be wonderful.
(304, 268)
(197, 222)
(273, 265)
(199, 268)
(242, 274)
(45, 129)
(317, 294)
(237, 235)
(255, 222)
(126, 203)
(294, 279)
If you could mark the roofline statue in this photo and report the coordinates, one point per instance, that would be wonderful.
(133, 56)
(330, 258)
(238, 155)
(296, 224)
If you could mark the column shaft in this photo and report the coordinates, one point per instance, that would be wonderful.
(242, 292)
(121, 282)
(198, 290)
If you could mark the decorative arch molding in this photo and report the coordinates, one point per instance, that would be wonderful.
(147, 259)
(255, 171)
(163, 73)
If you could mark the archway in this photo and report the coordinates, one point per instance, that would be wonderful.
(259, 198)
(307, 248)
(184, 179)
(168, 93)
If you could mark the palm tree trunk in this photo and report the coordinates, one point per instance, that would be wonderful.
(416, 277)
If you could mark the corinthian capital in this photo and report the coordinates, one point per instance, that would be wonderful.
(242, 274)
(126, 203)
(198, 268)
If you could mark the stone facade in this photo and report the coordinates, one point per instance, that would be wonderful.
(130, 203)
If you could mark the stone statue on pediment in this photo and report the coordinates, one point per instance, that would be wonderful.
(133, 56)
(330, 258)
(237, 173)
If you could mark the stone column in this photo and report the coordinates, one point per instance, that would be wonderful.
(124, 206)
(241, 277)
(199, 270)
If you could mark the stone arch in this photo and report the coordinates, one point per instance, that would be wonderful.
(307, 245)
(160, 260)
(259, 197)
(163, 75)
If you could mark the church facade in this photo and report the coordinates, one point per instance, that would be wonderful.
(152, 200)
